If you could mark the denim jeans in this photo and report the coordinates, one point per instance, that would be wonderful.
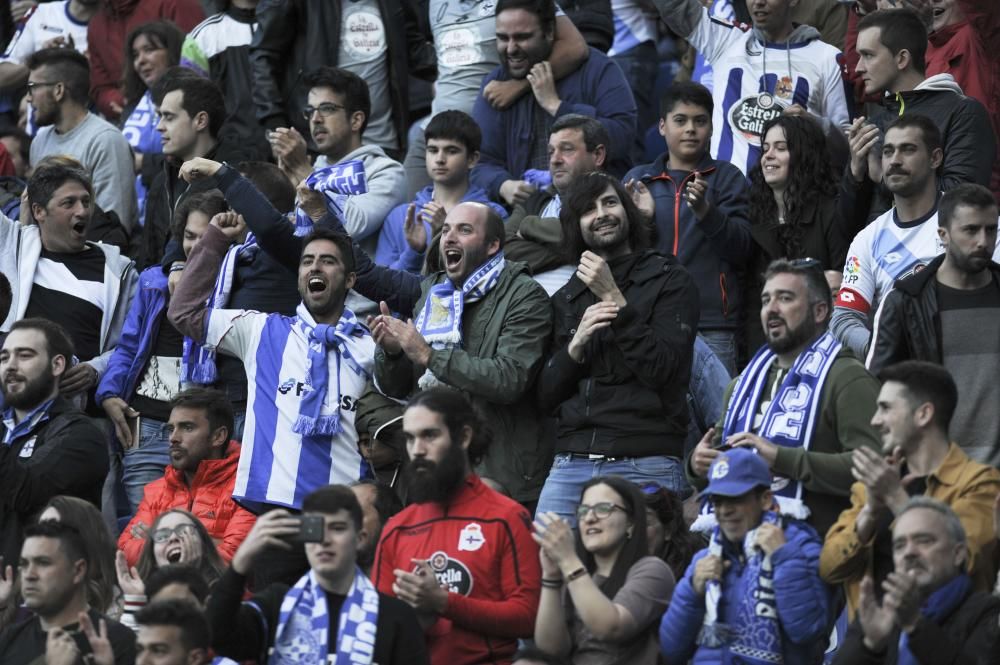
(144, 462)
(709, 380)
(561, 493)
(723, 344)
(640, 65)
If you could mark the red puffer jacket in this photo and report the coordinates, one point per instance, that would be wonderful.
(209, 498)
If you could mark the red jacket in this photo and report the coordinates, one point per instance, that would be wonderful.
(968, 51)
(480, 546)
(209, 498)
(106, 41)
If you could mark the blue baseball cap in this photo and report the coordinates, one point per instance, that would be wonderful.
(737, 471)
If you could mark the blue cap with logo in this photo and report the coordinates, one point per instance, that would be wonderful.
(736, 472)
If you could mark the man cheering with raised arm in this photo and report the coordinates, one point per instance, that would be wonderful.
(305, 373)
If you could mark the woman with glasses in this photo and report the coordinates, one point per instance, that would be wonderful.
(602, 593)
(178, 537)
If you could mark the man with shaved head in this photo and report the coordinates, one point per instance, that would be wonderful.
(480, 325)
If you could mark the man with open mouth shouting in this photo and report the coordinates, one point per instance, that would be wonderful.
(305, 373)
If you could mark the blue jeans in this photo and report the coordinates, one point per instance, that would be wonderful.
(562, 489)
(723, 344)
(709, 380)
(144, 462)
(640, 65)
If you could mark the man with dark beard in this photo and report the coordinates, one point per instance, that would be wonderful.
(929, 315)
(461, 554)
(624, 337)
(47, 446)
(803, 403)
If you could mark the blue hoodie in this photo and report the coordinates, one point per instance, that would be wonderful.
(393, 251)
(715, 250)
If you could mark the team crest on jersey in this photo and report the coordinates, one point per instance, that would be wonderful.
(28, 449)
(451, 573)
(784, 88)
(749, 115)
(471, 538)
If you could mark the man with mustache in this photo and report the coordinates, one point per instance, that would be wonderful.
(803, 403)
(929, 316)
(900, 242)
(460, 554)
(915, 408)
(929, 605)
(47, 446)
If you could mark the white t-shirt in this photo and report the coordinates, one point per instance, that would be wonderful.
(47, 21)
(363, 51)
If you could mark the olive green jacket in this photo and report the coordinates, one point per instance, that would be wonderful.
(504, 343)
(847, 405)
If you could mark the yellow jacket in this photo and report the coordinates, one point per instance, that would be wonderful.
(968, 487)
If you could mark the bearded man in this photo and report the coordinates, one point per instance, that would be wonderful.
(803, 403)
(460, 554)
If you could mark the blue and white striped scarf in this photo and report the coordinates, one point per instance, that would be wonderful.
(336, 183)
(302, 634)
(756, 637)
(440, 320)
(197, 361)
(789, 419)
(322, 337)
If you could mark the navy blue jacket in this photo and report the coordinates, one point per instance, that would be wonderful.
(597, 89)
(803, 603)
(716, 250)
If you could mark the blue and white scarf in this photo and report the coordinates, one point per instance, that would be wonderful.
(440, 320)
(15, 430)
(321, 338)
(789, 419)
(336, 183)
(756, 635)
(302, 634)
(938, 606)
(197, 361)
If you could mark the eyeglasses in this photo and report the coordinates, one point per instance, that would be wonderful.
(40, 84)
(325, 110)
(163, 535)
(601, 510)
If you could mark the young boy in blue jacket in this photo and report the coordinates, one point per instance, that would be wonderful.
(453, 140)
(699, 206)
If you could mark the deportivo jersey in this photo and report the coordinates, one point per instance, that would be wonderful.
(884, 251)
(46, 21)
(755, 82)
(479, 548)
(279, 466)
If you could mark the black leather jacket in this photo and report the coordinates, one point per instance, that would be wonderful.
(295, 36)
(909, 324)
